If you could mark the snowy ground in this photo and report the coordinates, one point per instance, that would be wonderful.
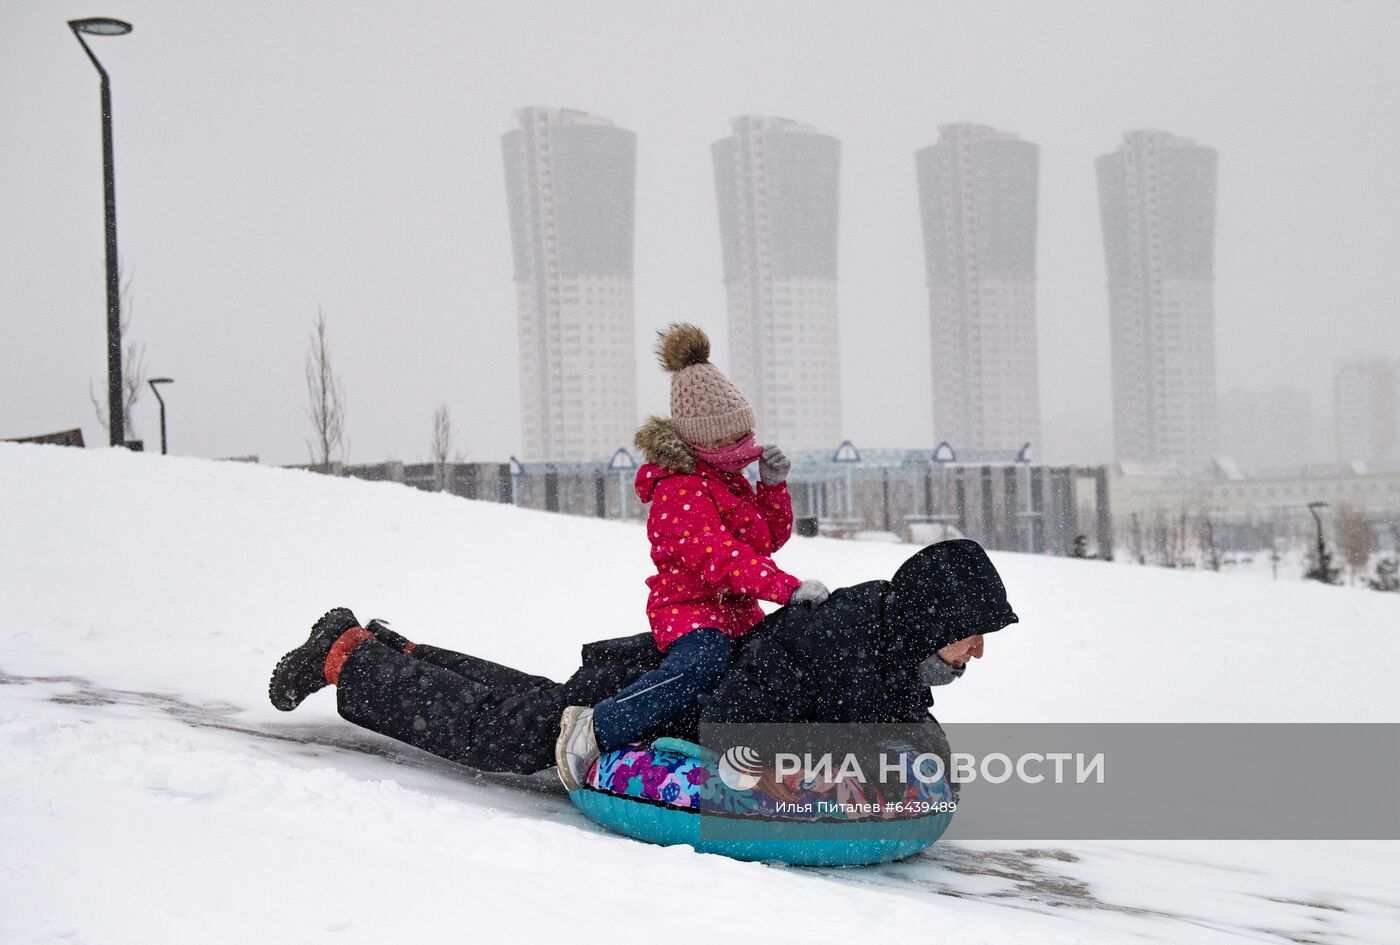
(148, 792)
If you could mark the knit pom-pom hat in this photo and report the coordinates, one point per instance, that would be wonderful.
(705, 406)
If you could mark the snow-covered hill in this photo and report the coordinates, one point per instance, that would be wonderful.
(148, 792)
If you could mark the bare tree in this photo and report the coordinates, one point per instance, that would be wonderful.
(1356, 538)
(327, 400)
(441, 445)
(1156, 538)
(1183, 540)
(1205, 537)
(133, 366)
(1167, 540)
(1136, 545)
(1161, 540)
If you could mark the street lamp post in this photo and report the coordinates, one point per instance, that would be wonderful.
(1313, 507)
(116, 422)
(1323, 562)
(155, 383)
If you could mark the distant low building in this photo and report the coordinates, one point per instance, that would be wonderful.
(1253, 507)
(72, 437)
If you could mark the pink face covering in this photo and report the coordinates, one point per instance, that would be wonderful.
(733, 457)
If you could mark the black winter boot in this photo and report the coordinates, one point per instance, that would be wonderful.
(303, 670)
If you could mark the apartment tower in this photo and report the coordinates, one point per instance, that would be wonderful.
(1157, 201)
(570, 184)
(778, 185)
(977, 197)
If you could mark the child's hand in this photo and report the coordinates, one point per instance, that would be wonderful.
(773, 467)
(809, 592)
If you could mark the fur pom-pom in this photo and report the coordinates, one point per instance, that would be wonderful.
(682, 345)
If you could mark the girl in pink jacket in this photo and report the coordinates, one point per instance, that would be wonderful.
(712, 537)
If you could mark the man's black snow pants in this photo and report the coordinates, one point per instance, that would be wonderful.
(475, 712)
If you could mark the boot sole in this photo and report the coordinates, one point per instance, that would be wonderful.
(561, 761)
(279, 693)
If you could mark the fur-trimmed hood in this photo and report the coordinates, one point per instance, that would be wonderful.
(662, 445)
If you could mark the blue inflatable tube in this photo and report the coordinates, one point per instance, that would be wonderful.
(672, 793)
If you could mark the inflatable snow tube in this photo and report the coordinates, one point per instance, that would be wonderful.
(673, 792)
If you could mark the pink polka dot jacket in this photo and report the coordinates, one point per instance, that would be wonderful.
(712, 537)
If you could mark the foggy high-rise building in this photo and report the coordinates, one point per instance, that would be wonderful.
(977, 194)
(1268, 428)
(570, 184)
(1367, 410)
(1157, 199)
(778, 184)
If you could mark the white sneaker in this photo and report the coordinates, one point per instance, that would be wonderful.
(577, 745)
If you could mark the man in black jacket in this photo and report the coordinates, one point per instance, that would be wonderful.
(871, 651)
(868, 654)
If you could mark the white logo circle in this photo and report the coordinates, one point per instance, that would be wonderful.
(739, 768)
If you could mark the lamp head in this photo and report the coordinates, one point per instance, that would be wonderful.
(161, 380)
(101, 26)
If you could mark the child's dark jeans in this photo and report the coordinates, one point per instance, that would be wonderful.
(693, 665)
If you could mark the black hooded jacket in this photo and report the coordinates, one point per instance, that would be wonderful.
(855, 658)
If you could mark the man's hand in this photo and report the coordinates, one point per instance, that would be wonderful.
(773, 467)
(809, 592)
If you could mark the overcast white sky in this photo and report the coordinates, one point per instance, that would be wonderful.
(273, 157)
